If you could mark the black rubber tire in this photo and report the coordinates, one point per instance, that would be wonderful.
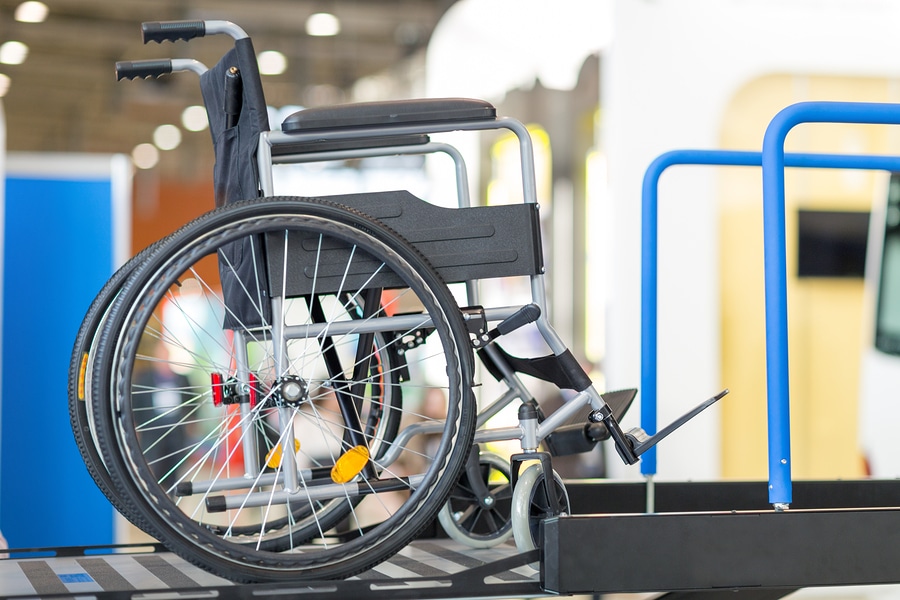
(341, 554)
(80, 371)
(81, 417)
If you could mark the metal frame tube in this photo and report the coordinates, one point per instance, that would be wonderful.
(307, 493)
(214, 27)
(248, 430)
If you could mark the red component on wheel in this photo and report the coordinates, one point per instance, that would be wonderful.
(218, 389)
(253, 389)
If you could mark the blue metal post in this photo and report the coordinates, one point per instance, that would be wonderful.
(773, 163)
(650, 274)
(776, 343)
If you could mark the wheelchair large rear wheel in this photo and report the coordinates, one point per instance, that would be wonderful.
(254, 365)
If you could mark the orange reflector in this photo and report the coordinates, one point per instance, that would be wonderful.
(273, 458)
(82, 371)
(350, 464)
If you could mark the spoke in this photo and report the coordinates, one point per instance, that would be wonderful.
(258, 306)
(355, 347)
(229, 454)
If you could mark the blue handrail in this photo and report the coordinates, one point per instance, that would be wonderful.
(773, 160)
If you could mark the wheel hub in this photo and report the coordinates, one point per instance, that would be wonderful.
(291, 391)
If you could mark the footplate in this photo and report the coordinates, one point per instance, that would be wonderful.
(577, 435)
(630, 445)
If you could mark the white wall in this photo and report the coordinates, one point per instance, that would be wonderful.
(669, 68)
(667, 77)
(483, 48)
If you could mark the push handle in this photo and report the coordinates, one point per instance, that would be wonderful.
(131, 69)
(171, 31)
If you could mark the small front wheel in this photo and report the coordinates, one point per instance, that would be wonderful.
(531, 506)
(476, 519)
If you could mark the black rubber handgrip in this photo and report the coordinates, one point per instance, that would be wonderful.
(163, 31)
(525, 315)
(129, 69)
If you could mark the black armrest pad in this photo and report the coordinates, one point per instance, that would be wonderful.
(367, 114)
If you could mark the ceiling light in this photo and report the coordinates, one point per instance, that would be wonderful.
(4, 84)
(31, 12)
(271, 62)
(13, 53)
(167, 137)
(322, 24)
(145, 156)
(194, 118)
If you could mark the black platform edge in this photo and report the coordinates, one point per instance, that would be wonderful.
(739, 550)
(703, 540)
(603, 496)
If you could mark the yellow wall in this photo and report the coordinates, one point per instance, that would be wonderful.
(824, 315)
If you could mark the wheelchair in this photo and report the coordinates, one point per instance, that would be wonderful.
(282, 389)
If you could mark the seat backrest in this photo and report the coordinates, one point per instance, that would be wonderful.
(463, 244)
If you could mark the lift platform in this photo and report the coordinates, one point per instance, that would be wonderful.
(705, 540)
(427, 568)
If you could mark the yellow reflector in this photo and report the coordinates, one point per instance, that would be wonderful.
(350, 464)
(273, 458)
(81, 374)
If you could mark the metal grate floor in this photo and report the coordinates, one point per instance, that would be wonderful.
(425, 568)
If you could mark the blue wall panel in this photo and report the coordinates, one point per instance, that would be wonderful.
(58, 252)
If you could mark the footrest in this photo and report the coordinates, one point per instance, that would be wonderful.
(579, 435)
(569, 439)
(641, 442)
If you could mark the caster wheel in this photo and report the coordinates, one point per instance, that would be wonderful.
(530, 506)
(481, 522)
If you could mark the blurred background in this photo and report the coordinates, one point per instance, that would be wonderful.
(604, 86)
